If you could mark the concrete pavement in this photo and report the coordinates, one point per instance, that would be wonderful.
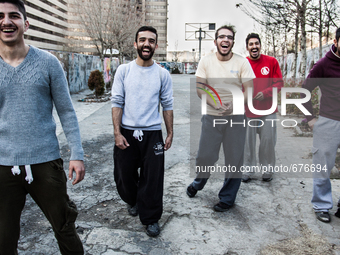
(268, 218)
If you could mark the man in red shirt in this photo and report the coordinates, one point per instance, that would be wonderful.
(268, 75)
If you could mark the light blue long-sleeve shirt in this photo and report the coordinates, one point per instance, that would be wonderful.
(139, 91)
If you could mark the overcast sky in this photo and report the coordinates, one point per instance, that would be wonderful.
(206, 11)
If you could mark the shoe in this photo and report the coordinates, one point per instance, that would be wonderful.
(221, 207)
(153, 229)
(267, 179)
(246, 179)
(191, 191)
(133, 210)
(337, 214)
(323, 216)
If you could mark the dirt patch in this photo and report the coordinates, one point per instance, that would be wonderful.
(308, 243)
(303, 130)
(93, 99)
(304, 127)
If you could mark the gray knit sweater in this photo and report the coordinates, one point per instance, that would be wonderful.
(27, 128)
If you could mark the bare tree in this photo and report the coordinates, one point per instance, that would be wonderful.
(110, 24)
(323, 15)
(277, 17)
(176, 54)
(127, 16)
(292, 18)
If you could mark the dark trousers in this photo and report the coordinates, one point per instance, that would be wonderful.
(146, 188)
(48, 190)
(232, 139)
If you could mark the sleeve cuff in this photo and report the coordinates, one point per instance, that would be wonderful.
(78, 155)
(116, 105)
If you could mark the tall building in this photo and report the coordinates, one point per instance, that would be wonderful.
(48, 24)
(55, 25)
(156, 15)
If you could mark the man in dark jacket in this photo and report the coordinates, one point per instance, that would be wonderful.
(326, 129)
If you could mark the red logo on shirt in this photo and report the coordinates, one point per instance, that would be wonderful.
(265, 70)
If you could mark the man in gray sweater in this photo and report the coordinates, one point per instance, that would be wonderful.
(31, 81)
(138, 89)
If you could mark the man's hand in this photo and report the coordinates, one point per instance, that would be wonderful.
(169, 124)
(78, 167)
(227, 109)
(311, 123)
(121, 142)
(259, 96)
(168, 142)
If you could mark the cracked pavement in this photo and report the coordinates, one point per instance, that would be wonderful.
(264, 213)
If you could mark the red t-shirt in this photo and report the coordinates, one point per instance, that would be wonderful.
(268, 75)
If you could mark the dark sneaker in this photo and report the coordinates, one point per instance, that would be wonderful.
(323, 216)
(133, 210)
(267, 179)
(221, 207)
(191, 191)
(337, 214)
(153, 230)
(246, 179)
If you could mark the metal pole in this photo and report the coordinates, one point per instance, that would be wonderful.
(199, 40)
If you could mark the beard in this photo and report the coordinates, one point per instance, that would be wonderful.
(140, 53)
(225, 54)
(337, 51)
(254, 54)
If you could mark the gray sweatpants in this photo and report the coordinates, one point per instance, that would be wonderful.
(326, 141)
(232, 140)
(267, 134)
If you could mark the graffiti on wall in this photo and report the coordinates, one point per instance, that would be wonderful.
(287, 63)
(107, 70)
(78, 67)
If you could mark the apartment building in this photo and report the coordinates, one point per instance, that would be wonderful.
(156, 15)
(56, 25)
(48, 24)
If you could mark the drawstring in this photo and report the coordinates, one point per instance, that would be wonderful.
(29, 176)
(138, 134)
(15, 170)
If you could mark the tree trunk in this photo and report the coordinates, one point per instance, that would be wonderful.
(297, 24)
(302, 13)
(274, 50)
(320, 29)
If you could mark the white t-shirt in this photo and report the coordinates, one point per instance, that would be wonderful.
(220, 74)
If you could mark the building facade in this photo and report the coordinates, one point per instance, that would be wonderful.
(48, 24)
(156, 15)
(56, 25)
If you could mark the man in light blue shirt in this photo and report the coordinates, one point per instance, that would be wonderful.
(138, 89)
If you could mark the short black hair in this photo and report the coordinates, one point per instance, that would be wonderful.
(252, 35)
(337, 34)
(18, 3)
(229, 27)
(145, 28)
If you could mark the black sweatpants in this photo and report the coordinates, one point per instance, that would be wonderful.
(49, 191)
(146, 188)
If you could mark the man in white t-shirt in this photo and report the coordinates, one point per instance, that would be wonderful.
(218, 74)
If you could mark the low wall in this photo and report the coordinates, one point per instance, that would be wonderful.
(78, 67)
(183, 67)
(287, 62)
